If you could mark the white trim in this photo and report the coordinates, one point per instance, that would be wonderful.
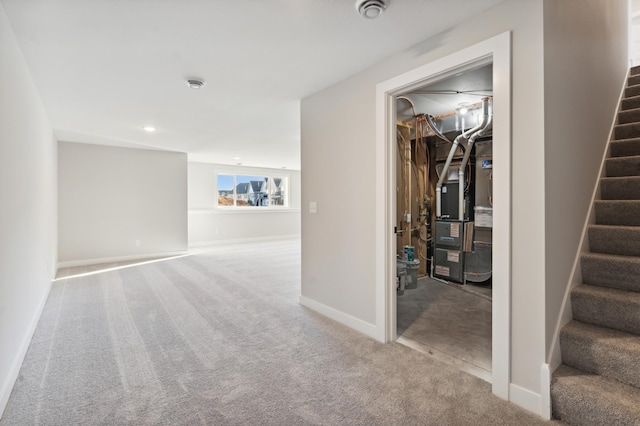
(554, 356)
(545, 392)
(244, 240)
(497, 50)
(97, 261)
(14, 371)
(346, 319)
(524, 398)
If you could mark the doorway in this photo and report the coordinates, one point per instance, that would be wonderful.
(444, 221)
(497, 51)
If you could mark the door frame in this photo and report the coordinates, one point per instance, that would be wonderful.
(496, 50)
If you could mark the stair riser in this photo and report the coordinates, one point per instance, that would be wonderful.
(630, 103)
(627, 131)
(631, 91)
(631, 116)
(625, 148)
(620, 189)
(606, 313)
(612, 273)
(623, 166)
(599, 358)
(615, 241)
(633, 80)
(617, 213)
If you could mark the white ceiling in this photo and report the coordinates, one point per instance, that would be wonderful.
(106, 68)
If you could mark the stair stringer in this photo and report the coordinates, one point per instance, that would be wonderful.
(554, 355)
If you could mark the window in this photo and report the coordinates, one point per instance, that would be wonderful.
(251, 191)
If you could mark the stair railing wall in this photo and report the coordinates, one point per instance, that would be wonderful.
(554, 357)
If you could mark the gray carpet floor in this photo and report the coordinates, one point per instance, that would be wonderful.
(219, 338)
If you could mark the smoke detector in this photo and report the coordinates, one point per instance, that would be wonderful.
(195, 84)
(371, 9)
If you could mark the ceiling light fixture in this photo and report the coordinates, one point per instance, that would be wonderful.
(149, 129)
(195, 84)
(463, 108)
(371, 9)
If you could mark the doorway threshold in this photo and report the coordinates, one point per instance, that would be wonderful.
(452, 360)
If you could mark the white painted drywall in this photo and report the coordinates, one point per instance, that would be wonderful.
(27, 208)
(586, 57)
(338, 160)
(210, 225)
(111, 197)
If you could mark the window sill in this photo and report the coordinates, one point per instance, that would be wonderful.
(244, 210)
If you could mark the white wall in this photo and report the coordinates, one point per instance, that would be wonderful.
(109, 197)
(338, 160)
(586, 57)
(210, 225)
(27, 208)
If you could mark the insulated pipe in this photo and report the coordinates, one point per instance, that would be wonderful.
(413, 107)
(434, 129)
(462, 136)
(486, 121)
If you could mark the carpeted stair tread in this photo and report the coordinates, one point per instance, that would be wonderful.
(625, 147)
(623, 166)
(632, 80)
(627, 131)
(631, 91)
(580, 398)
(634, 70)
(620, 188)
(611, 270)
(624, 240)
(610, 353)
(630, 115)
(617, 212)
(607, 307)
(630, 103)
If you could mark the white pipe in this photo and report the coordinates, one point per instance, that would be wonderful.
(443, 174)
(486, 120)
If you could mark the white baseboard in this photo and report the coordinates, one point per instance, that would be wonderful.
(244, 240)
(336, 315)
(7, 386)
(524, 398)
(545, 389)
(96, 261)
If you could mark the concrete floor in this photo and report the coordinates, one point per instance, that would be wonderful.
(449, 322)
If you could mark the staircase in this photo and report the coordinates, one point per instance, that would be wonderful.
(599, 380)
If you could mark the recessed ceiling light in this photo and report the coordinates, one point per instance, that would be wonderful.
(236, 158)
(149, 129)
(195, 84)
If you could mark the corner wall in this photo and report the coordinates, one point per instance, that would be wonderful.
(210, 225)
(28, 208)
(338, 162)
(120, 203)
(585, 65)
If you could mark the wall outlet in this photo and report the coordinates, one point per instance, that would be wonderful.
(138, 242)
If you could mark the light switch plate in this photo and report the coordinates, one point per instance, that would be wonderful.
(313, 207)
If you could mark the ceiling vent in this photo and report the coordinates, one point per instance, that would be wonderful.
(371, 9)
(195, 84)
